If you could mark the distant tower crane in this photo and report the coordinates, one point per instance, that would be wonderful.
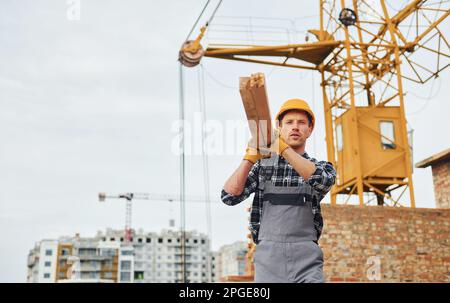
(129, 197)
(156, 197)
(363, 52)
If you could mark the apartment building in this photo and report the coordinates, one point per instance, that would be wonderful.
(149, 258)
(73, 259)
(229, 260)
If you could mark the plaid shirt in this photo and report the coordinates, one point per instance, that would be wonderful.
(284, 174)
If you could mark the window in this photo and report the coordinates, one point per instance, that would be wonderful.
(140, 240)
(195, 241)
(125, 276)
(139, 275)
(387, 134)
(203, 241)
(48, 252)
(108, 263)
(47, 264)
(127, 252)
(160, 240)
(108, 275)
(125, 265)
(148, 240)
(169, 240)
(339, 138)
(87, 251)
(46, 276)
(109, 252)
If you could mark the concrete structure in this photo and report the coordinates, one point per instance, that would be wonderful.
(72, 259)
(42, 262)
(440, 166)
(215, 267)
(33, 265)
(150, 257)
(157, 257)
(230, 261)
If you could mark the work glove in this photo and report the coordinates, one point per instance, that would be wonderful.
(252, 152)
(278, 145)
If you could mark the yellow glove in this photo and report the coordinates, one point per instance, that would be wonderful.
(278, 145)
(252, 153)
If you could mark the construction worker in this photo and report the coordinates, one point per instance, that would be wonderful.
(286, 220)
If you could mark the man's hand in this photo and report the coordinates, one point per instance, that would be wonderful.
(252, 152)
(278, 145)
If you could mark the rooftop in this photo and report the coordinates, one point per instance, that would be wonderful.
(443, 155)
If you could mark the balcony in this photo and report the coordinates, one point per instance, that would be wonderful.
(93, 257)
(95, 268)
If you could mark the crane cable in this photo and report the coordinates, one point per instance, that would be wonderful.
(202, 104)
(196, 21)
(201, 14)
(182, 154)
(182, 175)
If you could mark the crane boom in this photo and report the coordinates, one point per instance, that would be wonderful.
(129, 197)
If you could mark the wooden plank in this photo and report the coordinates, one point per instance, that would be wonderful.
(256, 105)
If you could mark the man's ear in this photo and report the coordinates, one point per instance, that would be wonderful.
(310, 129)
(277, 124)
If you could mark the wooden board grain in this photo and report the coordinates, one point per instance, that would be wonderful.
(256, 105)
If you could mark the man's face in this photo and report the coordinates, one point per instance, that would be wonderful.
(295, 128)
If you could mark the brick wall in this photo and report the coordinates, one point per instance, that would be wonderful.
(441, 180)
(411, 245)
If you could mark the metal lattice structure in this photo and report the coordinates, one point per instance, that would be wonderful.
(363, 50)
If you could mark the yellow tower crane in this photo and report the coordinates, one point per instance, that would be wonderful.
(363, 52)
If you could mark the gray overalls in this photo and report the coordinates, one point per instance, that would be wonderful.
(287, 251)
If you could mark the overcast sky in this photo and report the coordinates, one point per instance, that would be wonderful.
(89, 106)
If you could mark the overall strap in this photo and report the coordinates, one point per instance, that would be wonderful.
(267, 165)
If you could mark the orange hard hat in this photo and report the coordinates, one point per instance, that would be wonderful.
(298, 104)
